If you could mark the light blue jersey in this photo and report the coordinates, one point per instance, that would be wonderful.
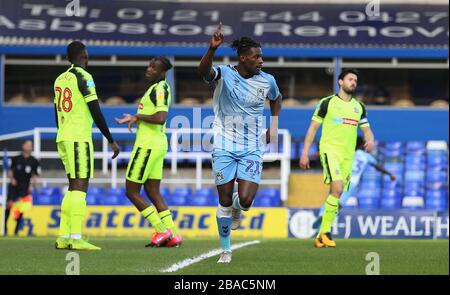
(360, 162)
(238, 105)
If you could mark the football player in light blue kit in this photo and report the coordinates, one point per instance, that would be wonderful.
(360, 162)
(239, 96)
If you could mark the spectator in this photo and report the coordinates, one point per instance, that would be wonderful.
(381, 96)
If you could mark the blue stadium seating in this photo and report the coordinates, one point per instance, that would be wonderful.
(414, 175)
(436, 203)
(390, 203)
(440, 176)
(368, 203)
(265, 201)
(203, 197)
(435, 194)
(372, 193)
(415, 147)
(390, 193)
(48, 196)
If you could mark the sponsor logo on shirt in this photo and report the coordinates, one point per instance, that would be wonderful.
(350, 122)
(346, 121)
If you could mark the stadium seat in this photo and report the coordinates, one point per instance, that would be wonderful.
(419, 191)
(265, 201)
(414, 175)
(390, 203)
(436, 185)
(414, 185)
(366, 193)
(92, 199)
(390, 193)
(110, 200)
(115, 191)
(436, 203)
(352, 202)
(175, 200)
(370, 184)
(48, 196)
(413, 202)
(269, 192)
(393, 145)
(440, 176)
(435, 194)
(414, 160)
(415, 147)
(95, 190)
(203, 197)
(165, 191)
(368, 203)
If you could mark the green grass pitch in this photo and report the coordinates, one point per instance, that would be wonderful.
(282, 257)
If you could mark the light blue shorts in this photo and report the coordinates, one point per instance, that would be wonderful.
(245, 165)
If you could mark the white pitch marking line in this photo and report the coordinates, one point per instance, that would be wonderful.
(189, 261)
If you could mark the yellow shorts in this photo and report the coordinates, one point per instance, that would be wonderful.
(78, 158)
(336, 168)
(145, 164)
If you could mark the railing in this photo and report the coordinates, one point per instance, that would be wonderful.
(174, 155)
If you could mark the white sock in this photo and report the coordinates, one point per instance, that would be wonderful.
(223, 211)
(237, 204)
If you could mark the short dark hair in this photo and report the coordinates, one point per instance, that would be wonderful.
(345, 72)
(243, 44)
(74, 49)
(165, 61)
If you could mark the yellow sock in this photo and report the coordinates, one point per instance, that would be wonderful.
(77, 213)
(152, 216)
(64, 224)
(166, 217)
(331, 210)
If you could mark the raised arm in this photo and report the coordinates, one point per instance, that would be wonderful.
(205, 67)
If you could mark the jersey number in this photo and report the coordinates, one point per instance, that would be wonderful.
(67, 99)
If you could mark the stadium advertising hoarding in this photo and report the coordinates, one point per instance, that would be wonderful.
(146, 23)
(125, 221)
(199, 222)
(357, 223)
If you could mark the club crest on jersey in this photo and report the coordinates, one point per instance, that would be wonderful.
(260, 92)
(337, 171)
(219, 176)
(356, 110)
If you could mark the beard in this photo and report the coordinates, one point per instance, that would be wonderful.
(348, 90)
